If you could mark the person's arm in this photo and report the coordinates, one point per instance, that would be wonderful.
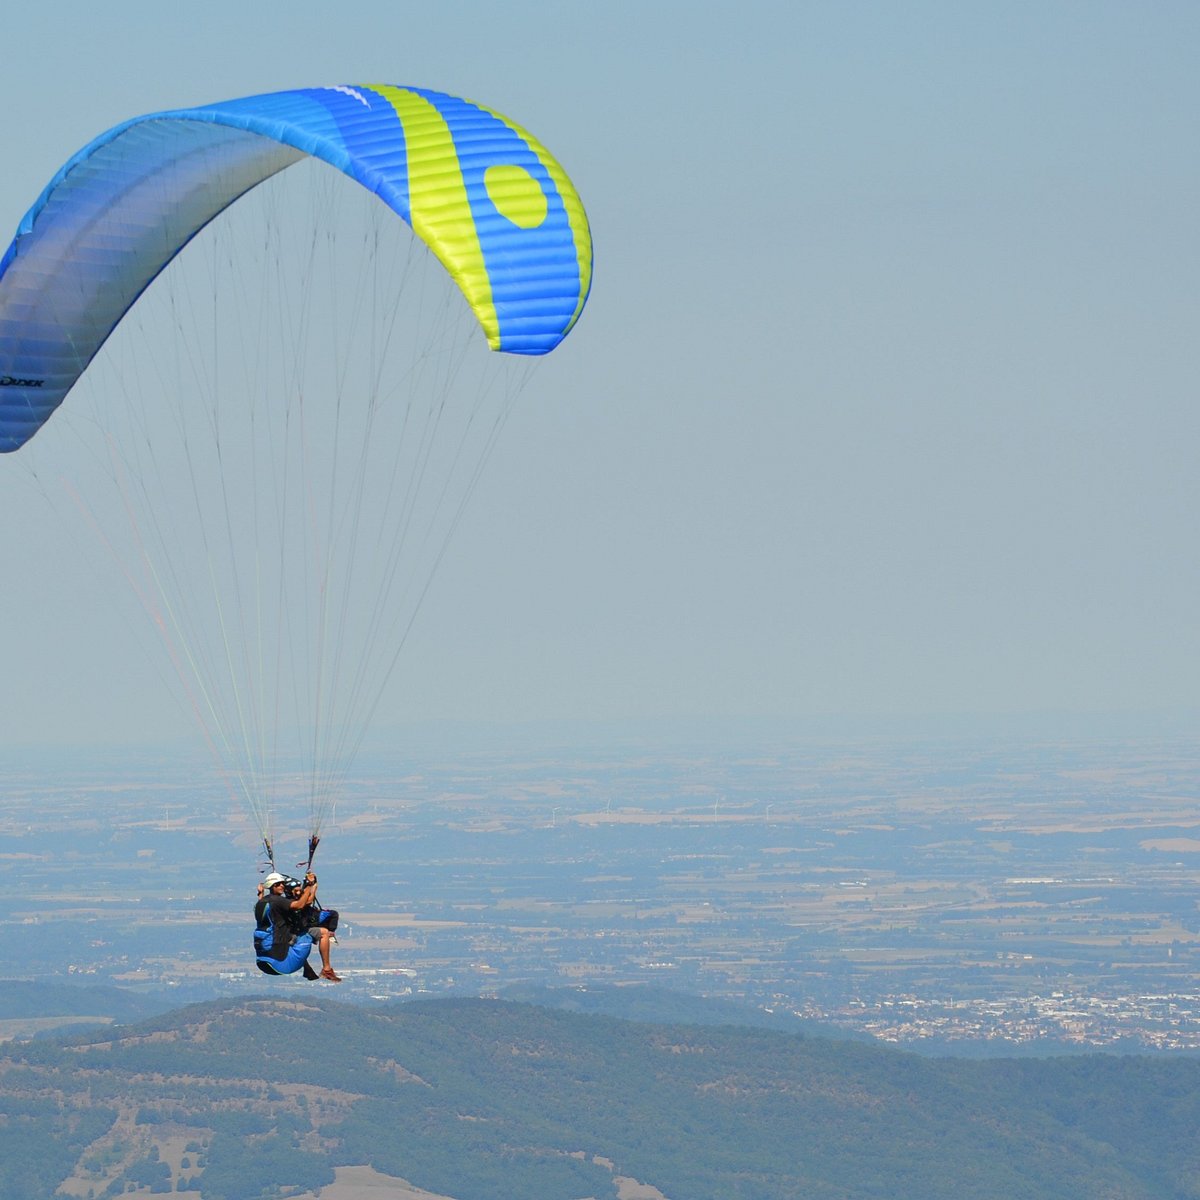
(309, 894)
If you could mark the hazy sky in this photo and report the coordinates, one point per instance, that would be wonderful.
(884, 401)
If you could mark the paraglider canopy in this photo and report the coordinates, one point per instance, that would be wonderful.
(281, 438)
(486, 197)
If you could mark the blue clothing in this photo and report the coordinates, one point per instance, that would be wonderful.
(278, 948)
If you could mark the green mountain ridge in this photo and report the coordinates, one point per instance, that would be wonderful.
(663, 1006)
(25, 998)
(475, 1099)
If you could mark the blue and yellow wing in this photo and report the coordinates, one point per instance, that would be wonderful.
(488, 199)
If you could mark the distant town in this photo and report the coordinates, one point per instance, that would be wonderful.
(947, 894)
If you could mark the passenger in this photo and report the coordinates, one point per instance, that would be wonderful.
(325, 918)
(285, 928)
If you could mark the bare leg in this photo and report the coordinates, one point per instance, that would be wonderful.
(323, 946)
(327, 971)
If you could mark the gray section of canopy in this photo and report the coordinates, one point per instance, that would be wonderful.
(106, 232)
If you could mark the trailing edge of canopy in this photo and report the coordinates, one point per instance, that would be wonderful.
(486, 197)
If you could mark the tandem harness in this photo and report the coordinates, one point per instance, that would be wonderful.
(279, 948)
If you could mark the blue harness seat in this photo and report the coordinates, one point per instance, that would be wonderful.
(295, 958)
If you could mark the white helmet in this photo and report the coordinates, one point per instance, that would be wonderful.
(274, 878)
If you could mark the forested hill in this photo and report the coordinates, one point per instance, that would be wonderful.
(477, 1099)
(19, 998)
(662, 1006)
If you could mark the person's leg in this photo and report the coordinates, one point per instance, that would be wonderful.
(322, 938)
